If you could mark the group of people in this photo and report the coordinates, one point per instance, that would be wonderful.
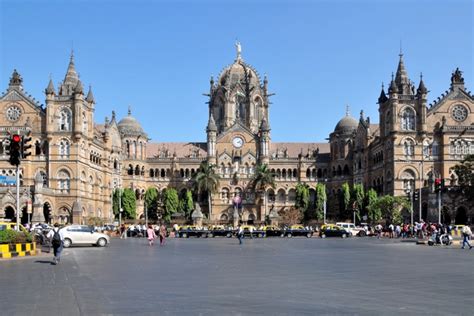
(151, 232)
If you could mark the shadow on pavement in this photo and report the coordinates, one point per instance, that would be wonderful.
(45, 262)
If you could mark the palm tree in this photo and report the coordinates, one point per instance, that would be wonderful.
(206, 180)
(263, 179)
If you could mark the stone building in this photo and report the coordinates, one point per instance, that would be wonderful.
(76, 163)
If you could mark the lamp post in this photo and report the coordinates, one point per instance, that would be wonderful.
(325, 202)
(421, 186)
(409, 192)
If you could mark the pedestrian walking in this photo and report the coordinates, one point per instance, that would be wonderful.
(466, 235)
(162, 234)
(150, 232)
(57, 240)
(240, 234)
(123, 232)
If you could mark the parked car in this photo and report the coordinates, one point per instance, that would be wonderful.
(192, 231)
(353, 229)
(298, 230)
(11, 225)
(331, 230)
(273, 231)
(220, 230)
(83, 235)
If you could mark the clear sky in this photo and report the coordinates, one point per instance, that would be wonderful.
(158, 56)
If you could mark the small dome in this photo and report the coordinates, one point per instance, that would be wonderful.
(130, 126)
(346, 125)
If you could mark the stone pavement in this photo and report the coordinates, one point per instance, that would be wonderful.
(273, 276)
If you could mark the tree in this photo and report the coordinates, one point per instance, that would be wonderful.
(465, 173)
(116, 199)
(129, 202)
(358, 198)
(321, 199)
(374, 214)
(263, 179)
(151, 203)
(187, 203)
(170, 203)
(390, 207)
(206, 180)
(291, 216)
(302, 198)
(345, 199)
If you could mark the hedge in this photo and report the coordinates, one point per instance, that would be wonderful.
(10, 236)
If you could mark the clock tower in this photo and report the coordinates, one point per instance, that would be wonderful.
(238, 133)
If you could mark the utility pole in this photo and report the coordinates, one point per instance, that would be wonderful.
(421, 186)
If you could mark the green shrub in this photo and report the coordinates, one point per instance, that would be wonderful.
(10, 236)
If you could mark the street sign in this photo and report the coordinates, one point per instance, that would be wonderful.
(8, 180)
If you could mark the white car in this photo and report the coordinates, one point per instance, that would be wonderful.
(83, 235)
(351, 228)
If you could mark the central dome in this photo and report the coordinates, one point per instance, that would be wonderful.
(237, 72)
(346, 125)
(130, 126)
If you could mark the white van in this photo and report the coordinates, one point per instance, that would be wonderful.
(352, 229)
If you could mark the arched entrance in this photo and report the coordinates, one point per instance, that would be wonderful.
(47, 212)
(24, 216)
(251, 219)
(445, 216)
(424, 211)
(10, 213)
(461, 216)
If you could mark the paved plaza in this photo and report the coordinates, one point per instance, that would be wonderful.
(273, 276)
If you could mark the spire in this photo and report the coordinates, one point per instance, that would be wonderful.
(211, 126)
(50, 88)
(264, 127)
(401, 78)
(90, 96)
(421, 88)
(79, 89)
(129, 110)
(383, 96)
(71, 77)
(393, 87)
(348, 112)
(16, 80)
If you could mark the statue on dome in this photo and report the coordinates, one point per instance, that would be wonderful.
(238, 47)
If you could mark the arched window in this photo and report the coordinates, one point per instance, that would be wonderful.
(64, 180)
(408, 177)
(426, 149)
(64, 148)
(37, 148)
(409, 148)
(408, 119)
(65, 120)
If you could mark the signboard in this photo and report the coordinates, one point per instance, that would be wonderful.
(8, 180)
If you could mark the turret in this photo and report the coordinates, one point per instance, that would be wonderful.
(421, 94)
(90, 97)
(211, 140)
(264, 142)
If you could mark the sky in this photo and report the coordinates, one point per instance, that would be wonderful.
(158, 56)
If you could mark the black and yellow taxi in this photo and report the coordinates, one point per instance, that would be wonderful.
(220, 231)
(298, 230)
(273, 231)
(331, 230)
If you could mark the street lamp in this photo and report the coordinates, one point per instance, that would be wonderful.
(325, 201)
(409, 192)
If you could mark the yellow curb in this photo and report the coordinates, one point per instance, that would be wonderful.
(17, 250)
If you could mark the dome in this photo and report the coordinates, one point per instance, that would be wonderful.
(346, 125)
(235, 73)
(130, 126)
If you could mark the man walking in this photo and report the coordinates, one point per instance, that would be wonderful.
(240, 234)
(466, 235)
(57, 239)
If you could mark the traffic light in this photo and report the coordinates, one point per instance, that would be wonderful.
(416, 195)
(25, 145)
(15, 150)
(437, 184)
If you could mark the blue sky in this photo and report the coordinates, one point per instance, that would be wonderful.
(158, 56)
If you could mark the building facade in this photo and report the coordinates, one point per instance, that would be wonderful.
(76, 163)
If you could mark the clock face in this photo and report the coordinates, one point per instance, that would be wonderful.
(237, 142)
(13, 113)
(459, 113)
